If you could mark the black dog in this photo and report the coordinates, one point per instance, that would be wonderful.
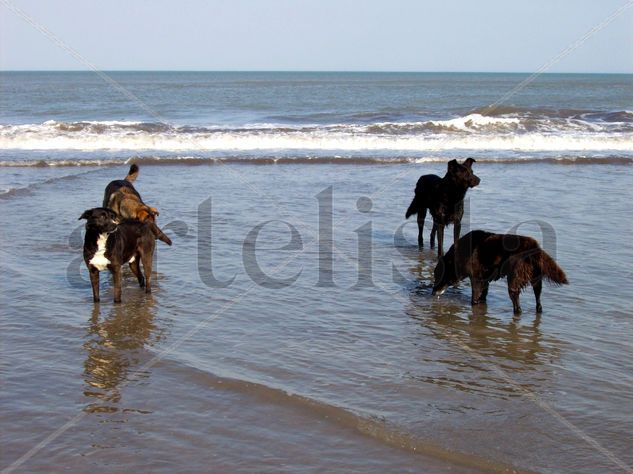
(444, 197)
(109, 244)
(484, 257)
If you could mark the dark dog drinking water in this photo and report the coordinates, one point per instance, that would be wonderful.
(484, 257)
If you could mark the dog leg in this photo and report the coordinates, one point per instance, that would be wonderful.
(433, 232)
(135, 266)
(116, 280)
(514, 292)
(537, 286)
(94, 281)
(440, 240)
(147, 270)
(421, 217)
(484, 292)
(457, 228)
(477, 289)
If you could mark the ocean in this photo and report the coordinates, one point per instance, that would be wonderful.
(292, 327)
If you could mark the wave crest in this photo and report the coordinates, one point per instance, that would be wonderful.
(511, 130)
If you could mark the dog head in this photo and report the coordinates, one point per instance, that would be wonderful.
(462, 173)
(101, 219)
(444, 273)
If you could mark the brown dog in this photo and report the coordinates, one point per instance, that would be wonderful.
(129, 206)
(117, 184)
(484, 257)
(122, 198)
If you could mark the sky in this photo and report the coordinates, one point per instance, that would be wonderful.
(316, 35)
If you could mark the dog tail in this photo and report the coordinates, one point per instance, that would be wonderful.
(414, 206)
(159, 234)
(551, 271)
(133, 173)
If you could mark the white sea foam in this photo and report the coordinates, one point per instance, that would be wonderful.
(475, 121)
(471, 132)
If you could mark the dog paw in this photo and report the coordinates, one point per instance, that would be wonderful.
(539, 308)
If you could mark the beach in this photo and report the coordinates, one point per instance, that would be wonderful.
(292, 327)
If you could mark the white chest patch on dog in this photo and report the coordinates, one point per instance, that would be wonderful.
(99, 260)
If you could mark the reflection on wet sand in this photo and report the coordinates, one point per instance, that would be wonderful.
(115, 345)
(473, 341)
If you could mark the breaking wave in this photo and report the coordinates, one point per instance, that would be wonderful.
(495, 130)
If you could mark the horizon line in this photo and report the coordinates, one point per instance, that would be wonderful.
(375, 71)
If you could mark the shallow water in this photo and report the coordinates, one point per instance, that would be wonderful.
(354, 369)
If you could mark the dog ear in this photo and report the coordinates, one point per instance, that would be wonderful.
(113, 215)
(468, 162)
(86, 215)
(452, 164)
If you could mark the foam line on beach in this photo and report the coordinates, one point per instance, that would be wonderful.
(366, 424)
(290, 160)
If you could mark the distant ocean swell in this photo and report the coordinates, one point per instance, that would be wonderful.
(530, 132)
